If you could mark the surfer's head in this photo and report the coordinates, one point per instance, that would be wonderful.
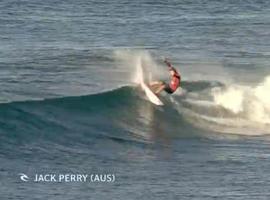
(172, 72)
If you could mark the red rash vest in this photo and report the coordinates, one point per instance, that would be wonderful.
(175, 81)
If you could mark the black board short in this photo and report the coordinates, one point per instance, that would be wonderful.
(168, 89)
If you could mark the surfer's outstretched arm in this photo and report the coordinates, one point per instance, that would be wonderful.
(168, 63)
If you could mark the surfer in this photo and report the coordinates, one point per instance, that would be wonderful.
(159, 86)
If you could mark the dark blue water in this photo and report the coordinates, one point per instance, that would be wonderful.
(70, 103)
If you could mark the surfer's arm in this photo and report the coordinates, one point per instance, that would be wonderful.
(168, 63)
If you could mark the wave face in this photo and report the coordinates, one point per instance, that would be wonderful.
(123, 113)
(64, 117)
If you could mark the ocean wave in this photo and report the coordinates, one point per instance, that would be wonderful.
(124, 114)
(121, 113)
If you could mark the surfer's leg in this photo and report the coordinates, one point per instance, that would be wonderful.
(155, 85)
(160, 89)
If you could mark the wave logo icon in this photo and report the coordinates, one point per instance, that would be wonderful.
(24, 177)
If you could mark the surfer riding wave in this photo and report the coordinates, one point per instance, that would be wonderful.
(159, 86)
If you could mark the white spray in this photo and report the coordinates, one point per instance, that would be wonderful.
(132, 58)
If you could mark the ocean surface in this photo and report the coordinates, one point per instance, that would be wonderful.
(70, 102)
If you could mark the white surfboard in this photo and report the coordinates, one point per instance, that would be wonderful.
(149, 93)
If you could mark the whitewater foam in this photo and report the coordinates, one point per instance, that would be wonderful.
(251, 102)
